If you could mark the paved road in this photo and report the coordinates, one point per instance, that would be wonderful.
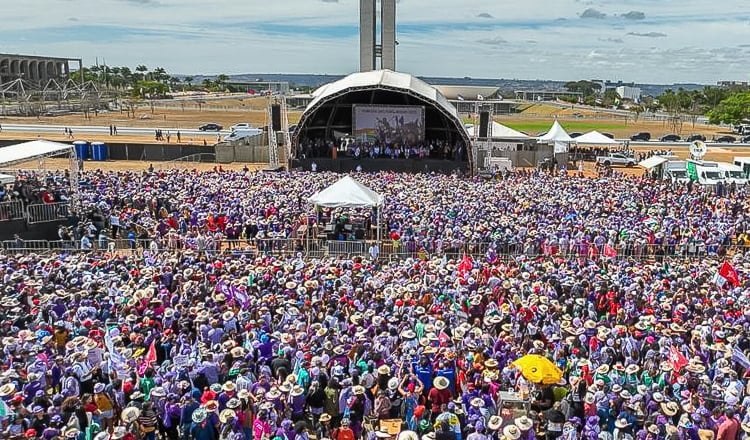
(101, 129)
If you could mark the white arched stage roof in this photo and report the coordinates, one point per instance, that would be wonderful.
(386, 79)
(414, 88)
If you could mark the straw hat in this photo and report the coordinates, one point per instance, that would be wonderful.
(669, 408)
(384, 369)
(7, 389)
(621, 423)
(495, 423)
(130, 414)
(325, 417)
(602, 369)
(490, 363)
(477, 402)
(441, 383)
(524, 423)
(226, 415)
(358, 390)
(512, 432)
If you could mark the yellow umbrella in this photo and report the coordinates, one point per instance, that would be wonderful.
(538, 369)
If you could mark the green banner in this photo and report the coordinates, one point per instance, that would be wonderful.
(692, 172)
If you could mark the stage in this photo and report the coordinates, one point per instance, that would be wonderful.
(346, 165)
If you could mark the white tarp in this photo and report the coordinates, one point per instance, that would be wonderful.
(346, 193)
(559, 137)
(595, 138)
(499, 131)
(652, 162)
(29, 150)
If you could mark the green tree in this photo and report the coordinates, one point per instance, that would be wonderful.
(732, 110)
(189, 81)
(586, 88)
(150, 89)
(142, 70)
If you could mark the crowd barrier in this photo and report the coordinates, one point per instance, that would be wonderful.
(47, 212)
(387, 249)
(12, 210)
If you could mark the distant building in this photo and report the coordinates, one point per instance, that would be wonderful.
(733, 84)
(35, 69)
(259, 87)
(629, 93)
(545, 95)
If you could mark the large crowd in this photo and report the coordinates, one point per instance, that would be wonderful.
(176, 342)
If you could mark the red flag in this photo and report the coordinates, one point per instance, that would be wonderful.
(727, 275)
(609, 251)
(151, 355)
(676, 359)
(465, 265)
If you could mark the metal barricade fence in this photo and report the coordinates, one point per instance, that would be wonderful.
(389, 250)
(11, 210)
(47, 212)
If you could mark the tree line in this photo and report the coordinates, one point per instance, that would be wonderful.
(143, 82)
(721, 104)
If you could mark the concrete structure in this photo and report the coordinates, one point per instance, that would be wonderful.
(388, 34)
(369, 48)
(35, 69)
(627, 92)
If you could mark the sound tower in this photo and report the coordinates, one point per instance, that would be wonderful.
(484, 122)
(276, 117)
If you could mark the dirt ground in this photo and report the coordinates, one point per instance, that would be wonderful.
(55, 164)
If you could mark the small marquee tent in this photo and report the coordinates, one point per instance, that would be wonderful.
(559, 137)
(349, 193)
(595, 138)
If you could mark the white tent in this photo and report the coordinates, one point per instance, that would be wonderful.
(559, 137)
(595, 138)
(652, 162)
(7, 178)
(499, 131)
(349, 193)
(26, 151)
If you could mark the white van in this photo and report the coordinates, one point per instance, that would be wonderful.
(705, 173)
(242, 133)
(744, 163)
(733, 173)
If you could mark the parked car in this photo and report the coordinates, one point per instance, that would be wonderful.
(670, 138)
(643, 136)
(745, 140)
(726, 139)
(695, 137)
(616, 159)
(575, 134)
(609, 135)
(210, 127)
(240, 126)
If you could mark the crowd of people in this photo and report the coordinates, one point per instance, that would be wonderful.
(179, 343)
(353, 148)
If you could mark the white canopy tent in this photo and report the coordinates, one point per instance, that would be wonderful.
(499, 131)
(7, 178)
(27, 151)
(595, 138)
(559, 137)
(652, 162)
(349, 193)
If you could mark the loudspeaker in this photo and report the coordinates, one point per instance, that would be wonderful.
(484, 122)
(276, 117)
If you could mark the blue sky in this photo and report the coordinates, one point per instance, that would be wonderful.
(658, 41)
